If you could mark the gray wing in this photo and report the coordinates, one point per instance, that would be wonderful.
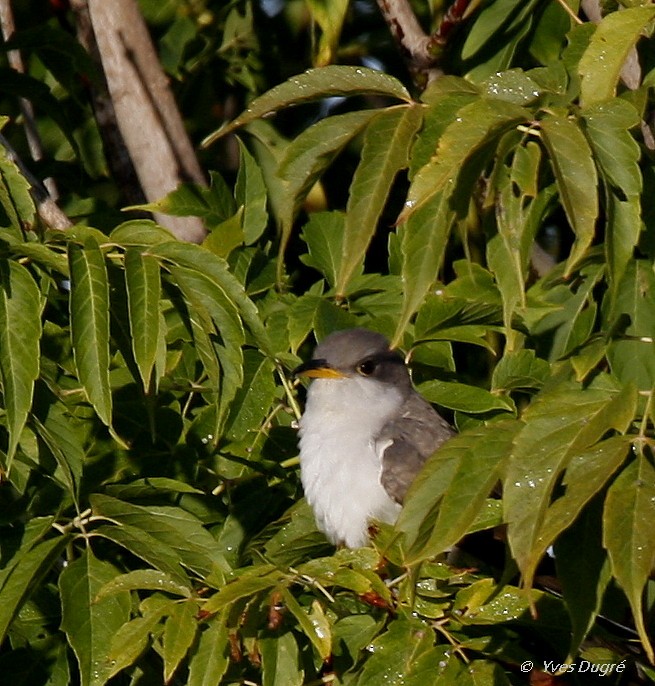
(410, 439)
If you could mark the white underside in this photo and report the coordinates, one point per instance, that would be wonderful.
(339, 463)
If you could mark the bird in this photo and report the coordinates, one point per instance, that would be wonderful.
(364, 435)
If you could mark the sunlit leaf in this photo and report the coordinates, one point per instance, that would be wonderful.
(315, 84)
(613, 39)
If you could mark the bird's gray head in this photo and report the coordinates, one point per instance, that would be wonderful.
(357, 353)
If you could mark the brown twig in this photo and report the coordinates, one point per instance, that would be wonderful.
(413, 42)
(139, 114)
(46, 207)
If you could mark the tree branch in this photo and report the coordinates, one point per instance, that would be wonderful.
(141, 104)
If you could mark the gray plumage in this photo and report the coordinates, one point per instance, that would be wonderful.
(365, 434)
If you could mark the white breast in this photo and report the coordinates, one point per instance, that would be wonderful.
(339, 462)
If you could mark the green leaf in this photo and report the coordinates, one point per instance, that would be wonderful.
(144, 579)
(627, 535)
(583, 570)
(281, 663)
(143, 295)
(153, 551)
(329, 15)
(217, 270)
(20, 334)
(171, 526)
(89, 625)
(130, 641)
(253, 581)
(458, 396)
(179, 633)
(458, 478)
(139, 233)
(214, 204)
(519, 370)
(601, 63)
(513, 85)
(387, 142)
(15, 197)
(314, 625)
(210, 660)
(577, 180)
(323, 234)
(312, 151)
(631, 315)
(476, 126)
(24, 577)
(63, 441)
(316, 84)
(404, 655)
(254, 399)
(89, 313)
(227, 235)
(424, 239)
(617, 154)
(250, 193)
(559, 425)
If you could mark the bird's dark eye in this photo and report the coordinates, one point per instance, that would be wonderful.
(366, 368)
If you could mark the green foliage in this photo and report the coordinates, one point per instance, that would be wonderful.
(152, 525)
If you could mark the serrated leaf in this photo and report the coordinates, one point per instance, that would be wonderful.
(254, 580)
(584, 572)
(20, 335)
(15, 197)
(314, 625)
(458, 478)
(458, 396)
(64, 443)
(281, 662)
(90, 626)
(141, 544)
(477, 125)
(143, 295)
(617, 154)
(520, 369)
(577, 180)
(140, 232)
(316, 84)
(601, 63)
(130, 641)
(404, 655)
(632, 313)
(250, 193)
(25, 576)
(144, 579)
(323, 234)
(89, 313)
(558, 426)
(171, 526)
(627, 535)
(387, 142)
(210, 660)
(424, 239)
(214, 204)
(217, 270)
(179, 633)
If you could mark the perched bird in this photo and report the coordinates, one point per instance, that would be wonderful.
(364, 435)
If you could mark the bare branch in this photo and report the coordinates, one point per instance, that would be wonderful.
(46, 207)
(413, 42)
(141, 103)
